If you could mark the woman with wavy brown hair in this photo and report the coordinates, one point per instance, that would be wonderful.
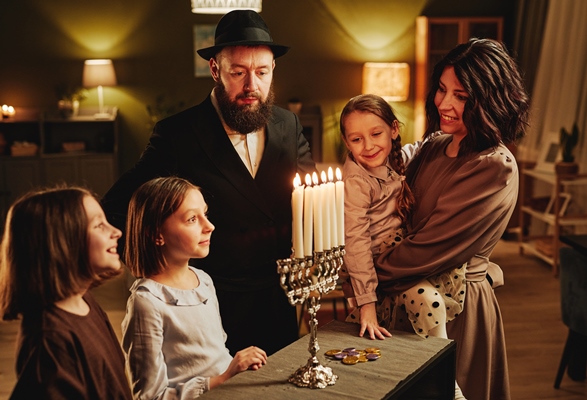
(465, 183)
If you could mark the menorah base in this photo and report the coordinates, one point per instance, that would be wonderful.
(294, 278)
(313, 375)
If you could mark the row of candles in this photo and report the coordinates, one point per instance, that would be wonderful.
(317, 213)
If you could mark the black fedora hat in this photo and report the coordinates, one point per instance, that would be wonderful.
(242, 28)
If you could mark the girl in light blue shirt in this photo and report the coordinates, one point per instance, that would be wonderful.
(172, 332)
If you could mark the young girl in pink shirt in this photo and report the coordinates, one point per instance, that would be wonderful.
(378, 202)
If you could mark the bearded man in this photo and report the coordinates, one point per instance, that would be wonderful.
(243, 152)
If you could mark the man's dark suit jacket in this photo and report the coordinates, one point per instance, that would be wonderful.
(252, 216)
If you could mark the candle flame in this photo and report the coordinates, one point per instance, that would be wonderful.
(323, 176)
(315, 178)
(308, 180)
(338, 174)
(297, 181)
(330, 174)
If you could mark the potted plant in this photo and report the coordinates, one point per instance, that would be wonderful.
(162, 109)
(69, 98)
(568, 141)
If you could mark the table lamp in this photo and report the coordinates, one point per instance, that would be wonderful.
(388, 80)
(99, 73)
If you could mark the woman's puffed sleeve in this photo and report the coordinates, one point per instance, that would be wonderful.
(467, 219)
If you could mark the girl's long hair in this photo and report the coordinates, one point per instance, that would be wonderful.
(44, 251)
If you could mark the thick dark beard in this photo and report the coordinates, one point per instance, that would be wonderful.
(244, 119)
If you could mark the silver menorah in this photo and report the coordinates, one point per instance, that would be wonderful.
(296, 280)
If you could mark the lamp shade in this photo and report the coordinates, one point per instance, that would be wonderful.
(388, 80)
(99, 73)
(224, 6)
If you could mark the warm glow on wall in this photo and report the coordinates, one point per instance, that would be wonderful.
(379, 28)
(97, 29)
(388, 80)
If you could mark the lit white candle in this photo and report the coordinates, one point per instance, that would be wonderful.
(317, 204)
(297, 205)
(339, 188)
(332, 209)
(325, 212)
(308, 211)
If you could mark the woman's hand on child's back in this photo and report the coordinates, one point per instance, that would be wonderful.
(370, 324)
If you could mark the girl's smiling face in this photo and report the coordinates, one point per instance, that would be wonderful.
(102, 238)
(369, 138)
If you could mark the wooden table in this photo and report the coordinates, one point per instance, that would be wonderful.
(410, 368)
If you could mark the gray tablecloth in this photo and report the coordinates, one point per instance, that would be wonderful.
(403, 355)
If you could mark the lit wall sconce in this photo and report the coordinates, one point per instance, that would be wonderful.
(224, 6)
(388, 80)
(8, 111)
(99, 73)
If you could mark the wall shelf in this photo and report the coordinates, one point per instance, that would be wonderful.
(94, 165)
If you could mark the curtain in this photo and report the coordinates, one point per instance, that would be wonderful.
(531, 17)
(559, 95)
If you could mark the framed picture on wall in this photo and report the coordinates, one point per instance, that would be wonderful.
(549, 153)
(203, 37)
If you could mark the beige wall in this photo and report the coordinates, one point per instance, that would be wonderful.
(43, 44)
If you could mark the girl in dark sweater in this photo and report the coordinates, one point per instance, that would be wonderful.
(57, 244)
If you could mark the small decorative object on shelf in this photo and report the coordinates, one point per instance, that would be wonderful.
(294, 105)
(8, 111)
(23, 149)
(163, 108)
(568, 141)
(71, 147)
(65, 108)
(69, 98)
